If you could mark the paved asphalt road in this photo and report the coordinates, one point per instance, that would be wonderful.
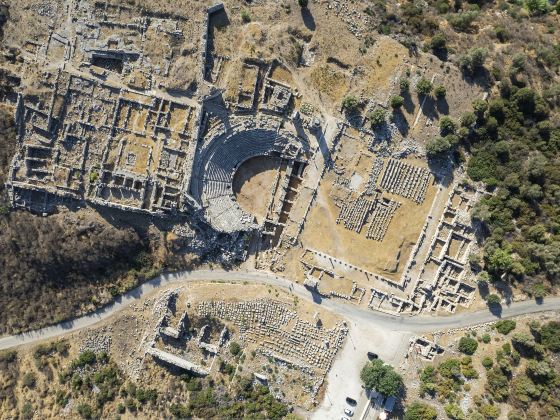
(414, 324)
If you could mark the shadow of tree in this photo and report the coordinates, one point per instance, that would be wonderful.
(504, 288)
(480, 78)
(354, 118)
(219, 19)
(483, 289)
(317, 298)
(495, 309)
(308, 19)
(441, 53)
(429, 108)
(408, 104)
(442, 106)
(400, 122)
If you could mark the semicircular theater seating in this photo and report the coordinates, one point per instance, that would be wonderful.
(216, 166)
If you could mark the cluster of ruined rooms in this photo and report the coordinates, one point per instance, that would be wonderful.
(342, 209)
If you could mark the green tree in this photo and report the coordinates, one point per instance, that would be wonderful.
(450, 368)
(437, 146)
(518, 62)
(493, 299)
(524, 390)
(550, 336)
(540, 371)
(440, 91)
(447, 125)
(420, 411)
(538, 290)
(397, 101)
(526, 345)
(377, 117)
(381, 377)
(497, 384)
(424, 86)
(350, 103)
(479, 109)
(478, 57)
(467, 345)
(234, 348)
(500, 261)
(487, 362)
(537, 7)
(438, 45)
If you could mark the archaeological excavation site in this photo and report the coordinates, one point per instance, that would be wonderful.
(241, 152)
(224, 209)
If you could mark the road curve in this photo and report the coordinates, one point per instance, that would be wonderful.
(414, 324)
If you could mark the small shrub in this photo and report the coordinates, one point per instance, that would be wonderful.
(420, 411)
(442, 6)
(505, 326)
(404, 85)
(87, 357)
(234, 348)
(246, 16)
(179, 411)
(29, 380)
(93, 176)
(27, 412)
(486, 338)
(501, 33)
(85, 411)
(454, 412)
(462, 22)
(487, 362)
